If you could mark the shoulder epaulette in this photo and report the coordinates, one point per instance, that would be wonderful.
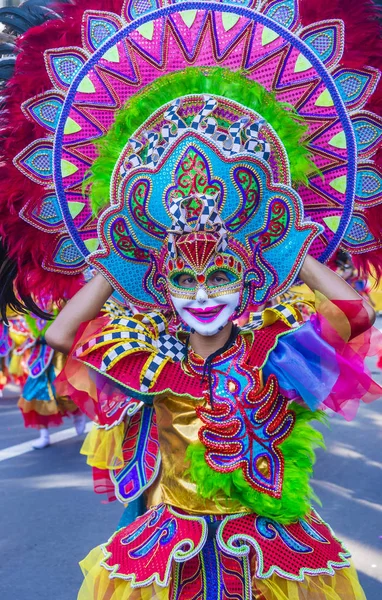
(287, 313)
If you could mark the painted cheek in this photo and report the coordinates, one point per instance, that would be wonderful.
(210, 326)
(181, 303)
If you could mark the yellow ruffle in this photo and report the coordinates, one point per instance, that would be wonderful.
(41, 407)
(103, 447)
(3, 380)
(15, 366)
(98, 586)
(57, 405)
(17, 337)
(344, 585)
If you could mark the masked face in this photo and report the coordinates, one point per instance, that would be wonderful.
(206, 303)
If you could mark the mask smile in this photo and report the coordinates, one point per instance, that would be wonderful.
(206, 315)
(205, 302)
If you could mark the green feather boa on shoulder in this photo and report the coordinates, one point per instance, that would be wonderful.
(297, 494)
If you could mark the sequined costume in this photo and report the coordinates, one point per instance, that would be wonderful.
(39, 403)
(15, 344)
(225, 481)
(5, 353)
(174, 140)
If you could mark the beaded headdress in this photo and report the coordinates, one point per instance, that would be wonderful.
(242, 128)
(199, 190)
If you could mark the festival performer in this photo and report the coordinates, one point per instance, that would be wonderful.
(202, 156)
(5, 352)
(40, 405)
(236, 454)
(27, 361)
(15, 344)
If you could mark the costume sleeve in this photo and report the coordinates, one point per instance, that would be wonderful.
(103, 400)
(124, 433)
(323, 361)
(117, 363)
(125, 459)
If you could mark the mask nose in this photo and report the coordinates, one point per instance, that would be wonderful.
(201, 296)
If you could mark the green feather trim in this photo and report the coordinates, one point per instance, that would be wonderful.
(299, 457)
(217, 80)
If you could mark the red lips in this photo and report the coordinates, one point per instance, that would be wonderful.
(206, 314)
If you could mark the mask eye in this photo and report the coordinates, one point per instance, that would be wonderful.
(184, 280)
(221, 277)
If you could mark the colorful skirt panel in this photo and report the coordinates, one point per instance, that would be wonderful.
(166, 553)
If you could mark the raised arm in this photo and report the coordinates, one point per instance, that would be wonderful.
(84, 306)
(322, 279)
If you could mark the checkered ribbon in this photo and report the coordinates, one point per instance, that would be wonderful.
(156, 321)
(287, 314)
(171, 114)
(133, 160)
(255, 322)
(169, 348)
(168, 132)
(202, 121)
(154, 151)
(209, 220)
(175, 125)
(142, 333)
(254, 144)
(179, 224)
(231, 142)
(282, 312)
(179, 216)
(209, 215)
(115, 310)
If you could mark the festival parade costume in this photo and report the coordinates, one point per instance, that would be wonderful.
(27, 361)
(170, 138)
(12, 352)
(39, 403)
(16, 342)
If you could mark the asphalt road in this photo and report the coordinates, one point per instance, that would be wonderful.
(50, 518)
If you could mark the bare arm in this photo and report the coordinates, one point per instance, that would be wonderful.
(84, 306)
(319, 277)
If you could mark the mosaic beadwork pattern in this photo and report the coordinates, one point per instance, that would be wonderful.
(245, 426)
(179, 536)
(5, 340)
(140, 456)
(199, 160)
(293, 551)
(311, 542)
(39, 360)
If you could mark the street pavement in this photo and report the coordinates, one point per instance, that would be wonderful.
(50, 517)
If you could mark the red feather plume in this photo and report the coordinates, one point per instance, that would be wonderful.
(363, 46)
(27, 245)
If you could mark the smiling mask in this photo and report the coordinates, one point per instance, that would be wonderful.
(203, 281)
